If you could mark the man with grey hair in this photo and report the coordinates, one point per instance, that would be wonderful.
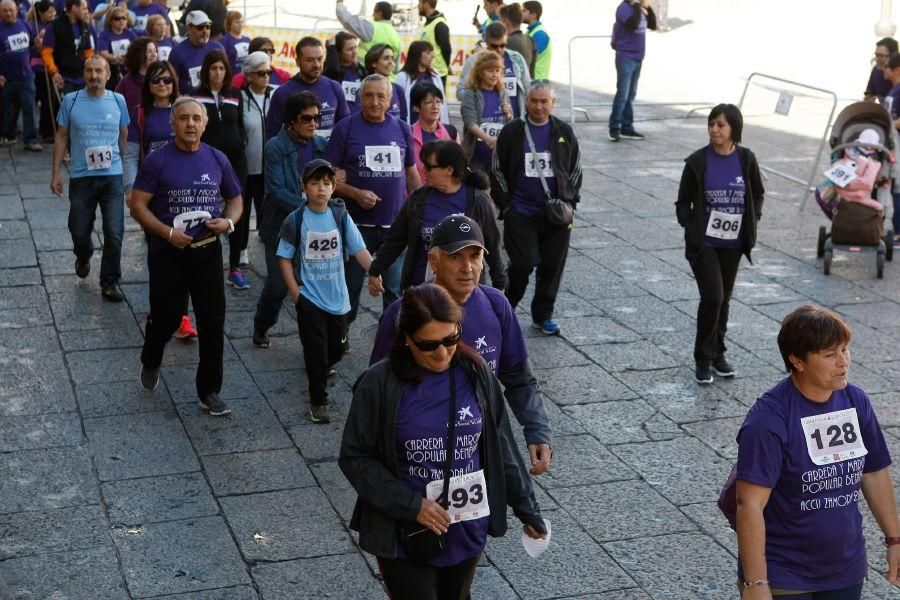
(93, 124)
(376, 152)
(536, 161)
(187, 57)
(176, 198)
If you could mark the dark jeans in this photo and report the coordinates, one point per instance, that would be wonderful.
(853, 592)
(323, 336)
(407, 580)
(628, 72)
(896, 216)
(49, 105)
(85, 194)
(273, 292)
(255, 190)
(173, 273)
(21, 92)
(533, 243)
(356, 276)
(715, 271)
(238, 239)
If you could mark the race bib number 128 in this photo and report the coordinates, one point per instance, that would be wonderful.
(833, 437)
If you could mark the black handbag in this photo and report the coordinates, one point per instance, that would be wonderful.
(557, 211)
(419, 543)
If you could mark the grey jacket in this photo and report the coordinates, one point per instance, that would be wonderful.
(520, 67)
(369, 460)
(471, 107)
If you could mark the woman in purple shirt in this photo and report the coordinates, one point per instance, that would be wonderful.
(428, 447)
(809, 449)
(140, 55)
(114, 41)
(484, 106)
(719, 202)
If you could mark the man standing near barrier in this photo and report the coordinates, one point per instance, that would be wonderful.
(176, 198)
(629, 40)
(437, 33)
(536, 158)
(531, 16)
(98, 122)
(371, 33)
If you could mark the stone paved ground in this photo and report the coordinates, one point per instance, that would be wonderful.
(110, 492)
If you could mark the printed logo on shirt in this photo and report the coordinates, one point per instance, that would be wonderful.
(465, 411)
(739, 180)
(204, 178)
(325, 106)
(480, 343)
(108, 117)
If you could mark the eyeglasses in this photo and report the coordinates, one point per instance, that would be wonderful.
(309, 118)
(269, 50)
(119, 18)
(161, 80)
(432, 345)
(880, 55)
(204, 26)
(262, 73)
(429, 167)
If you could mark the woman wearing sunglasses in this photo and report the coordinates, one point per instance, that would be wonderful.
(114, 40)
(450, 188)
(425, 425)
(276, 78)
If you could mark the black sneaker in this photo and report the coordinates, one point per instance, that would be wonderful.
(82, 267)
(632, 135)
(614, 135)
(216, 407)
(149, 378)
(723, 368)
(318, 413)
(332, 372)
(703, 375)
(261, 338)
(111, 291)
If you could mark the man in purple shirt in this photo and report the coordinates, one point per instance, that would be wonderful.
(489, 326)
(187, 57)
(311, 62)
(629, 40)
(16, 77)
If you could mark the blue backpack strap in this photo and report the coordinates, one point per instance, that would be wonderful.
(297, 261)
(340, 214)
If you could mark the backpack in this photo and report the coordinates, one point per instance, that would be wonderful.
(728, 498)
(295, 221)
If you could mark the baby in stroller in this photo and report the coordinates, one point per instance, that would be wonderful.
(853, 175)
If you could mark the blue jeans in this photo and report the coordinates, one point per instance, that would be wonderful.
(273, 292)
(896, 217)
(85, 193)
(23, 92)
(628, 71)
(356, 276)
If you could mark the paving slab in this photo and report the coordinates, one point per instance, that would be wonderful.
(55, 530)
(153, 499)
(252, 425)
(40, 431)
(581, 385)
(620, 422)
(20, 276)
(236, 382)
(341, 576)
(45, 479)
(254, 472)
(228, 593)
(122, 398)
(580, 460)
(63, 575)
(713, 523)
(634, 356)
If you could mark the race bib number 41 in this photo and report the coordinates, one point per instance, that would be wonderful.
(98, 157)
(383, 158)
(467, 495)
(320, 246)
(724, 226)
(833, 437)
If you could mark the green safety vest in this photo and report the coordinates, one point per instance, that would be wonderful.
(384, 34)
(438, 64)
(542, 63)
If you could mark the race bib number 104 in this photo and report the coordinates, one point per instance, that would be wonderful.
(833, 437)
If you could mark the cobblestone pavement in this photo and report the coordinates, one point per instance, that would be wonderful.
(108, 491)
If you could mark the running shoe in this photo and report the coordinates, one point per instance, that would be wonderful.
(186, 330)
(631, 134)
(332, 372)
(261, 338)
(703, 375)
(149, 378)
(723, 368)
(236, 280)
(614, 135)
(216, 407)
(82, 267)
(318, 413)
(34, 147)
(111, 291)
(548, 327)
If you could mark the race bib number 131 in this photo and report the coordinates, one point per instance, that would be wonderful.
(833, 437)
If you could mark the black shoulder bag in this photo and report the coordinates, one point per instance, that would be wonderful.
(420, 544)
(556, 210)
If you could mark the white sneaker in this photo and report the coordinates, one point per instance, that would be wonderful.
(245, 258)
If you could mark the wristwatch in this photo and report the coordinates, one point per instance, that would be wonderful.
(230, 225)
(891, 541)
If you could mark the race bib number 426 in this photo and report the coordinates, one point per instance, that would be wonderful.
(833, 437)
(467, 495)
(320, 246)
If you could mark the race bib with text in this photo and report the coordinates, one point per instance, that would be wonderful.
(467, 495)
(538, 163)
(98, 157)
(321, 246)
(724, 226)
(18, 42)
(833, 437)
(351, 90)
(383, 158)
(510, 84)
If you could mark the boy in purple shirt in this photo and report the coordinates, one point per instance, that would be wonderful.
(629, 40)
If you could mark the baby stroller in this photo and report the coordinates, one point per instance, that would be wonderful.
(863, 128)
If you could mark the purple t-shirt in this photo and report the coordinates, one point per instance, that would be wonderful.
(397, 108)
(878, 85)
(528, 197)
(187, 60)
(375, 156)
(629, 43)
(489, 326)
(350, 84)
(892, 102)
(182, 182)
(37, 65)
(511, 87)
(115, 43)
(50, 42)
(490, 113)
(429, 136)
(142, 13)
(157, 129)
(724, 189)
(437, 206)
(329, 93)
(814, 538)
(15, 41)
(164, 48)
(422, 446)
(236, 50)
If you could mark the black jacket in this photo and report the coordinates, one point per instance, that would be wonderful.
(509, 159)
(368, 459)
(225, 129)
(69, 61)
(690, 209)
(407, 226)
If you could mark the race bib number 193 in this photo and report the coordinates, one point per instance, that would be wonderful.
(467, 495)
(833, 437)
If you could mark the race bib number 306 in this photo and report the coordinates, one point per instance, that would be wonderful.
(833, 437)
(320, 246)
(467, 495)
(724, 226)
(383, 158)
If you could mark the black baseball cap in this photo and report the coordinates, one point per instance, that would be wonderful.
(313, 167)
(456, 232)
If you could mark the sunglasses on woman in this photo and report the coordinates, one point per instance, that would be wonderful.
(432, 345)
(309, 118)
(263, 73)
(161, 80)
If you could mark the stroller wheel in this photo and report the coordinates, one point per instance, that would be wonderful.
(820, 247)
(827, 265)
(879, 265)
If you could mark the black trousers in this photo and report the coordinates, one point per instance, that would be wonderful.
(238, 239)
(715, 271)
(533, 243)
(49, 102)
(407, 580)
(323, 336)
(173, 273)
